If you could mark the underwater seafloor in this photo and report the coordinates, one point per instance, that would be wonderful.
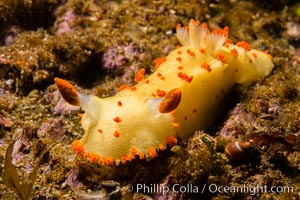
(100, 45)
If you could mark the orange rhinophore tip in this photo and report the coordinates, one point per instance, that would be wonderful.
(67, 91)
(171, 101)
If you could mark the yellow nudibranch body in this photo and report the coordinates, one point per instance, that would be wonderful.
(181, 96)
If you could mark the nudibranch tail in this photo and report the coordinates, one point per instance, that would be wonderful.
(67, 91)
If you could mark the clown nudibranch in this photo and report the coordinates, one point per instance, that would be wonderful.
(181, 96)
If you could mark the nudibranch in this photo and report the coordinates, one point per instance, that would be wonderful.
(181, 96)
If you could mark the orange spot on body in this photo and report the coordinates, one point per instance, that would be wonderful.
(185, 118)
(160, 76)
(180, 67)
(120, 103)
(152, 152)
(202, 50)
(190, 53)
(116, 134)
(179, 52)
(147, 81)
(133, 88)
(152, 94)
(161, 93)
(100, 130)
(234, 53)
(159, 61)
(244, 45)
(117, 119)
(185, 77)
(195, 110)
(123, 87)
(206, 66)
(140, 75)
(254, 55)
(77, 147)
(178, 59)
(171, 140)
(80, 115)
(221, 57)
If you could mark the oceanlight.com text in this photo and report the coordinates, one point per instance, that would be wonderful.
(212, 188)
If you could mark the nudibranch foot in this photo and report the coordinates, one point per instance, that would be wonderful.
(181, 96)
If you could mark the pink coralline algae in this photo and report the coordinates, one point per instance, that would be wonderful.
(115, 58)
(65, 25)
(53, 129)
(237, 124)
(9, 34)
